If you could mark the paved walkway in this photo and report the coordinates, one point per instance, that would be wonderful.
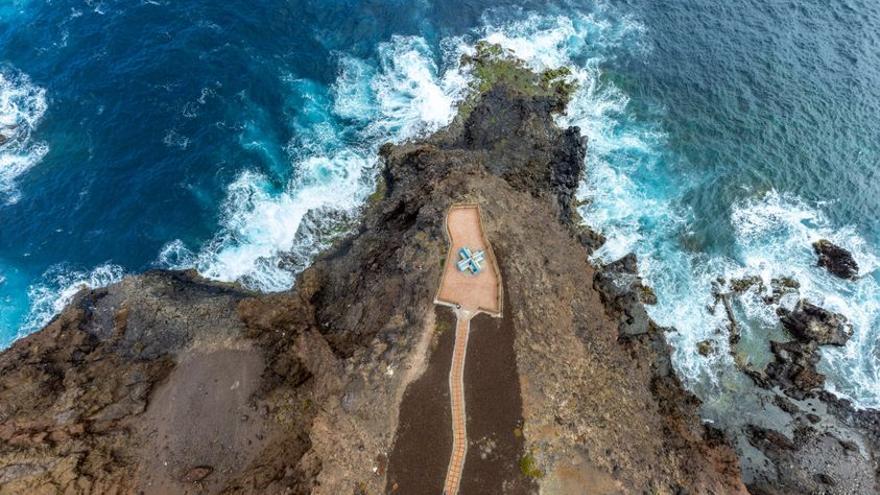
(469, 294)
(459, 419)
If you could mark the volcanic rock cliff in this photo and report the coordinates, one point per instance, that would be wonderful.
(166, 382)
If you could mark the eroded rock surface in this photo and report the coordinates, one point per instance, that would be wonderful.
(625, 295)
(836, 259)
(810, 323)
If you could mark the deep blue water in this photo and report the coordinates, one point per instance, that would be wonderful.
(724, 138)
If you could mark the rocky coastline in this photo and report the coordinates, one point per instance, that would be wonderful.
(167, 382)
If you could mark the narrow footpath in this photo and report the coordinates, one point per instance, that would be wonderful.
(459, 414)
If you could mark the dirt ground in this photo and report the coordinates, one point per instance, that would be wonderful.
(200, 417)
(417, 465)
(494, 410)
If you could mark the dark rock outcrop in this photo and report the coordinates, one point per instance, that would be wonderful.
(781, 287)
(810, 323)
(811, 461)
(625, 295)
(836, 259)
(794, 368)
(818, 443)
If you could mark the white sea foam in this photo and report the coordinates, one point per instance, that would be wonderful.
(405, 94)
(22, 106)
(408, 91)
(413, 97)
(57, 288)
(774, 234)
(633, 194)
(176, 256)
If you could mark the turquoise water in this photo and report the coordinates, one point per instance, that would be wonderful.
(159, 133)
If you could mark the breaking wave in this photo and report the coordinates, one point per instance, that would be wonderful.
(22, 106)
(57, 288)
(634, 193)
(401, 95)
(409, 89)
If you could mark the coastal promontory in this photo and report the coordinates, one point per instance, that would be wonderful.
(170, 383)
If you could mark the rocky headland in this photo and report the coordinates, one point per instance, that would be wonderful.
(169, 383)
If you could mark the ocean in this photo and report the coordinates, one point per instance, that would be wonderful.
(231, 137)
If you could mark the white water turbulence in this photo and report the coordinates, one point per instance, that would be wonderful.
(60, 283)
(267, 232)
(404, 93)
(633, 194)
(774, 236)
(22, 106)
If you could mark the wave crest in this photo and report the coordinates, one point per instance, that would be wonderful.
(60, 283)
(22, 106)
(403, 94)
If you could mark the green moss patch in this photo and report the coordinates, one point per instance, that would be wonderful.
(492, 65)
(529, 467)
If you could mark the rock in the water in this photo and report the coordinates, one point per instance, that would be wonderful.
(780, 288)
(740, 285)
(808, 322)
(836, 259)
(197, 474)
(3, 139)
(794, 368)
(705, 347)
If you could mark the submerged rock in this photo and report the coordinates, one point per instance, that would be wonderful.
(836, 259)
(780, 288)
(705, 347)
(808, 322)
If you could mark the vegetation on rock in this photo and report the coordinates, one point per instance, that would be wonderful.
(529, 466)
(492, 65)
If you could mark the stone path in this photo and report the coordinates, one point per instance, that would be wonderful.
(469, 294)
(459, 418)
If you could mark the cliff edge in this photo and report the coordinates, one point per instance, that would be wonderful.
(166, 382)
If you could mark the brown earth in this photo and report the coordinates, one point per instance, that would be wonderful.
(417, 465)
(494, 411)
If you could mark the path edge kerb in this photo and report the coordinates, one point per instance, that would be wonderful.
(489, 253)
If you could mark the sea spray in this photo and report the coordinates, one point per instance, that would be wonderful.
(635, 194)
(404, 95)
(22, 106)
(57, 288)
(636, 190)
